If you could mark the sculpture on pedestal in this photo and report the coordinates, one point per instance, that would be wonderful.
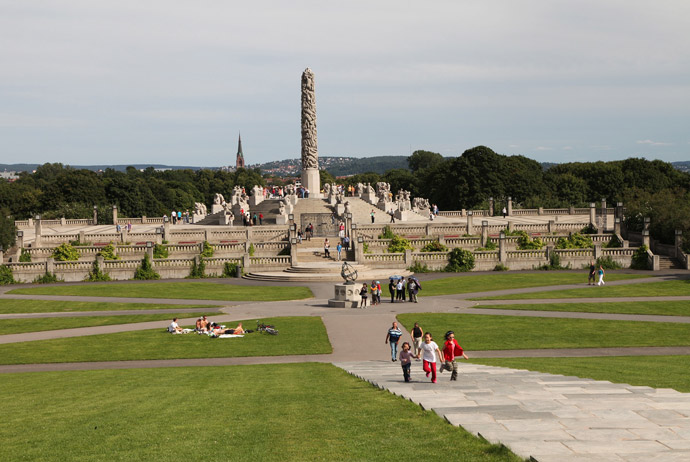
(310, 154)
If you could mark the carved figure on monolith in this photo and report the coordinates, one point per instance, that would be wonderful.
(310, 153)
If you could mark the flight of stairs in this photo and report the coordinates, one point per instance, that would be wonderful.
(668, 263)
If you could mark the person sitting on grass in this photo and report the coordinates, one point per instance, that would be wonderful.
(174, 328)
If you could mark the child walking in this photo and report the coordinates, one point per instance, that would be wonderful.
(429, 352)
(363, 294)
(406, 360)
(451, 349)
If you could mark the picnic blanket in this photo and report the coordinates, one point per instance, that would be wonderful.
(230, 336)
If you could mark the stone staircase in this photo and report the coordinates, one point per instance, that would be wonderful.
(668, 263)
(361, 213)
(325, 271)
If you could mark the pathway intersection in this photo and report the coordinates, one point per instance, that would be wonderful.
(547, 417)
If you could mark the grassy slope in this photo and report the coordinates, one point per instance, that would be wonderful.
(175, 290)
(298, 336)
(651, 289)
(652, 371)
(478, 332)
(671, 308)
(52, 306)
(503, 281)
(282, 413)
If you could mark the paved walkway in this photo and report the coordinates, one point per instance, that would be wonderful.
(549, 417)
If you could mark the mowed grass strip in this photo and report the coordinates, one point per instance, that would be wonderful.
(298, 336)
(176, 290)
(651, 371)
(479, 332)
(18, 326)
(491, 282)
(670, 308)
(647, 289)
(288, 412)
(9, 306)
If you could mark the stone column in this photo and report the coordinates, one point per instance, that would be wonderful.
(509, 209)
(593, 214)
(95, 215)
(619, 210)
(679, 242)
(647, 222)
(82, 236)
(617, 226)
(50, 265)
(502, 251)
(115, 214)
(159, 236)
(310, 154)
(645, 238)
(166, 228)
(597, 251)
(2, 256)
(603, 205)
(485, 232)
(551, 226)
(491, 206)
(470, 228)
(540, 211)
(20, 240)
(37, 230)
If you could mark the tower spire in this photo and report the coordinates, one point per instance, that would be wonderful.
(240, 155)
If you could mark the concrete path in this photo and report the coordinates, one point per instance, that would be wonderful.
(551, 418)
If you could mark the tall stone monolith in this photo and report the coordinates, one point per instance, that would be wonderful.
(310, 152)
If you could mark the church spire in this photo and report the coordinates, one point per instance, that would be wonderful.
(240, 155)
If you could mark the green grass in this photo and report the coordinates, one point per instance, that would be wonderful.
(176, 290)
(648, 289)
(670, 308)
(478, 332)
(298, 336)
(17, 326)
(652, 371)
(51, 306)
(288, 412)
(490, 282)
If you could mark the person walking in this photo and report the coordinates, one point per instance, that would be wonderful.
(339, 248)
(393, 335)
(261, 219)
(417, 339)
(592, 273)
(402, 297)
(399, 290)
(374, 291)
(326, 249)
(429, 352)
(391, 289)
(451, 349)
(601, 276)
(505, 212)
(372, 215)
(406, 360)
(363, 294)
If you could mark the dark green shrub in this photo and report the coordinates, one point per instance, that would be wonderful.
(554, 263)
(608, 263)
(47, 278)
(65, 252)
(387, 233)
(96, 275)
(500, 267)
(434, 246)
(197, 271)
(251, 250)
(229, 270)
(639, 259)
(78, 243)
(25, 256)
(460, 261)
(207, 251)
(490, 245)
(6, 275)
(160, 251)
(419, 267)
(589, 229)
(145, 271)
(613, 243)
(575, 241)
(365, 247)
(284, 251)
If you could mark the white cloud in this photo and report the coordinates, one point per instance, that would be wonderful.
(543, 148)
(654, 143)
(567, 148)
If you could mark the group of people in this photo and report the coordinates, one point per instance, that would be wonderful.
(374, 290)
(594, 273)
(204, 326)
(426, 350)
(179, 217)
(397, 289)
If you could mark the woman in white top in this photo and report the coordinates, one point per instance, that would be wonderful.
(428, 352)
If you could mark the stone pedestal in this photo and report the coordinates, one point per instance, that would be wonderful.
(312, 181)
(281, 219)
(346, 296)
(215, 208)
(403, 215)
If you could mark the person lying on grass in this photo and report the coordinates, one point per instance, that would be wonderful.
(239, 330)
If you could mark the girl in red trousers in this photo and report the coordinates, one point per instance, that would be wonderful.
(429, 351)
(451, 349)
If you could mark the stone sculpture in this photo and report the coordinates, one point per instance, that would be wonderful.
(310, 154)
(200, 209)
(327, 189)
(218, 199)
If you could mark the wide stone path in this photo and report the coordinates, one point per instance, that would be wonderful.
(551, 418)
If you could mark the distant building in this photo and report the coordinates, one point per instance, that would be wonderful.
(9, 176)
(240, 156)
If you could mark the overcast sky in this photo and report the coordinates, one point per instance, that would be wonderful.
(174, 81)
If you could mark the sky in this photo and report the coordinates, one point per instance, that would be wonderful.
(175, 81)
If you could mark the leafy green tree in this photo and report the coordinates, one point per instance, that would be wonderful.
(326, 177)
(8, 231)
(145, 270)
(66, 252)
(399, 244)
(421, 159)
(6, 276)
(460, 260)
(108, 253)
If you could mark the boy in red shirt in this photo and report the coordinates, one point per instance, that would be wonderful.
(451, 349)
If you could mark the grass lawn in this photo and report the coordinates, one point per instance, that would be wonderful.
(17, 326)
(648, 289)
(176, 290)
(478, 332)
(652, 371)
(50, 306)
(670, 308)
(502, 281)
(298, 336)
(288, 412)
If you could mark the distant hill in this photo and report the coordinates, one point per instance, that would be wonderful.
(337, 166)
(95, 168)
